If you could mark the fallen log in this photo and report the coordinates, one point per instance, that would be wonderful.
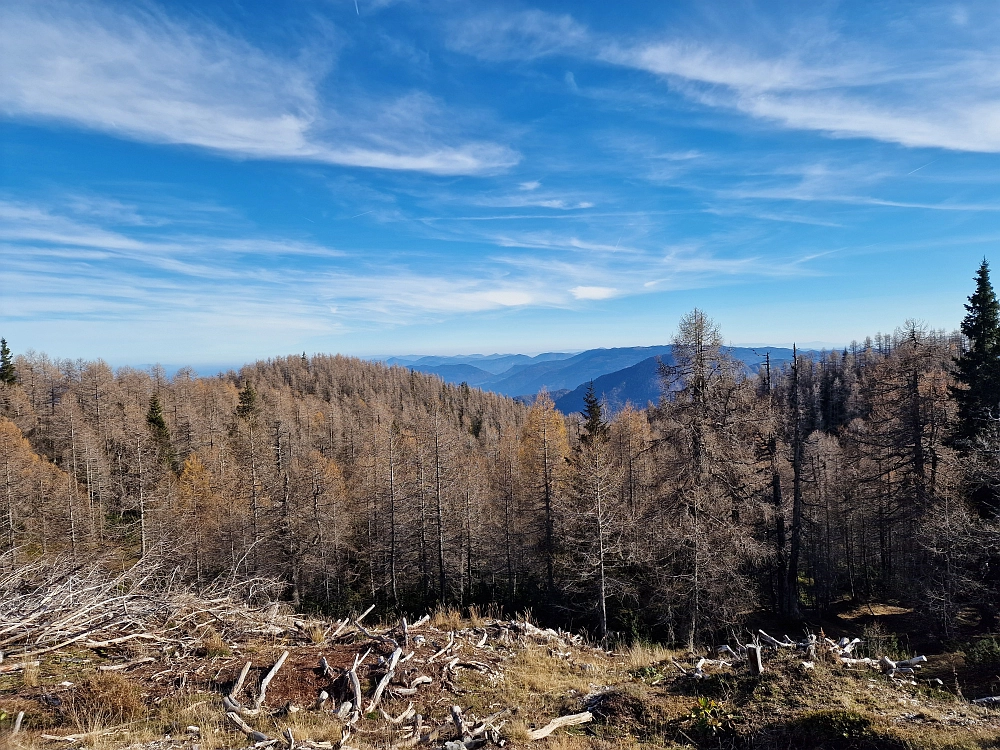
(562, 721)
(125, 665)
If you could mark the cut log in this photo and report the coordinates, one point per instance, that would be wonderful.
(267, 680)
(753, 659)
(887, 664)
(562, 721)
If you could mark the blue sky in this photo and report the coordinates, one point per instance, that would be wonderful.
(221, 181)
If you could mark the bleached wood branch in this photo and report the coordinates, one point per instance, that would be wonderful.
(393, 660)
(267, 680)
(562, 721)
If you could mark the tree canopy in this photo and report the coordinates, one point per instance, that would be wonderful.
(977, 372)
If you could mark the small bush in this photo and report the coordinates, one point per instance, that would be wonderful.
(106, 698)
(708, 718)
(985, 651)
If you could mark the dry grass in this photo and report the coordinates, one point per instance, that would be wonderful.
(212, 643)
(475, 617)
(446, 618)
(106, 699)
(317, 634)
(643, 654)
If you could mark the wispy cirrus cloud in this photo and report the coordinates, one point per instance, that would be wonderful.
(908, 91)
(138, 74)
(55, 263)
(521, 35)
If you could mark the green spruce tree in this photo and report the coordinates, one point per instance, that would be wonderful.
(247, 408)
(593, 416)
(978, 368)
(161, 435)
(8, 374)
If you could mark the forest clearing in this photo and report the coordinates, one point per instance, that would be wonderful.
(180, 671)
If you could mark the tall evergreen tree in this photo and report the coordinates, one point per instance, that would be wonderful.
(978, 368)
(161, 434)
(247, 408)
(8, 374)
(593, 415)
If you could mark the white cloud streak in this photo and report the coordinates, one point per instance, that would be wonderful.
(143, 76)
(917, 92)
(57, 266)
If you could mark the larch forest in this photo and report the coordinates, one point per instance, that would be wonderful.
(865, 474)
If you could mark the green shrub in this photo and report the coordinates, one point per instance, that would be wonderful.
(709, 718)
(984, 651)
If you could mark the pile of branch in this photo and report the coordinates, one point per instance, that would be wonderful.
(49, 605)
(401, 662)
(841, 651)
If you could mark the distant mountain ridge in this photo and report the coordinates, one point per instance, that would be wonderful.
(620, 375)
(639, 384)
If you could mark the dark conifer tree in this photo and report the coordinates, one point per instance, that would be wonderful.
(8, 374)
(161, 434)
(593, 415)
(247, 408)
(978, 368)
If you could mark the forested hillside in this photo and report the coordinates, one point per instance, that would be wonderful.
(854, 475)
